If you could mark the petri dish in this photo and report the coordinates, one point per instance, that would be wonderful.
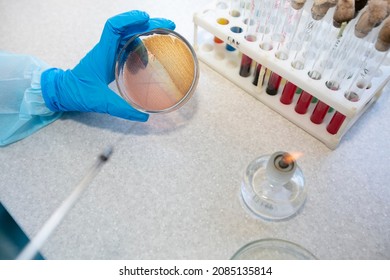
(157, 71)
(272, 249)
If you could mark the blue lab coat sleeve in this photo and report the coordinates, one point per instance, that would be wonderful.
(22, 108)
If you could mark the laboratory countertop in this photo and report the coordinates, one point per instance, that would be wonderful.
(171, 189)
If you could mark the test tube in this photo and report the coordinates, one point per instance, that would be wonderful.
(343, 55)
(375, 53)
(306, 43)
(348, 55)
(267, 18)
(263, 15)
(374, 56)
(246, 8)
(284, 33)
(251, 22)
(330, 42)
(273, 84)
(335, 123)
(361, 82)
(235, 8)
(275, 23)
(245, 67)
(319, 112)
(275, 19)
(303, 103)
(256, 75)
(288, 93)
(312, 38)
(343, 66)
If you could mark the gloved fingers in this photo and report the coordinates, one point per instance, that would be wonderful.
(101, 59)
(152, 24)
(118, 107)
(119, 24)
(161, 23)
(118, 29)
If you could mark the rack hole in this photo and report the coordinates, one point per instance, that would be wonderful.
(223, 21)
(351, 96)
(266, 46)
(234, 13)
(251, 38)
(282, 55)
(236, 29)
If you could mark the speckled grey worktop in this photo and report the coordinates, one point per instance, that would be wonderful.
(171, 188)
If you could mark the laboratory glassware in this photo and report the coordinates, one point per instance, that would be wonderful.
(157, 71)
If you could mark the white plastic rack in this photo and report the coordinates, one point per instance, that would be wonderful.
(227, 63)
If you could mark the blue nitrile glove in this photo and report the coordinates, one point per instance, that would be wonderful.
(32, 97)
(85, 88)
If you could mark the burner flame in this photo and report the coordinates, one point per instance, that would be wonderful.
(289, 158)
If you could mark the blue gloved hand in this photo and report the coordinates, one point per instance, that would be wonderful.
(85, 88)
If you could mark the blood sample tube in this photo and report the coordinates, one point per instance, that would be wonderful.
(251, 31)
(273, 84)
(288, 93)
(319, 112)
(245, 68)
(303, 103)
(335, 123)
(256, 74)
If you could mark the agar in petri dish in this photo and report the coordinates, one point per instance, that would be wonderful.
(157, 71)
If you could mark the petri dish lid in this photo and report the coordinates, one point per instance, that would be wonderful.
(157, 71)
(272, 249)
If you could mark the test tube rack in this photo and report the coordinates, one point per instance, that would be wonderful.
(227, 63)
